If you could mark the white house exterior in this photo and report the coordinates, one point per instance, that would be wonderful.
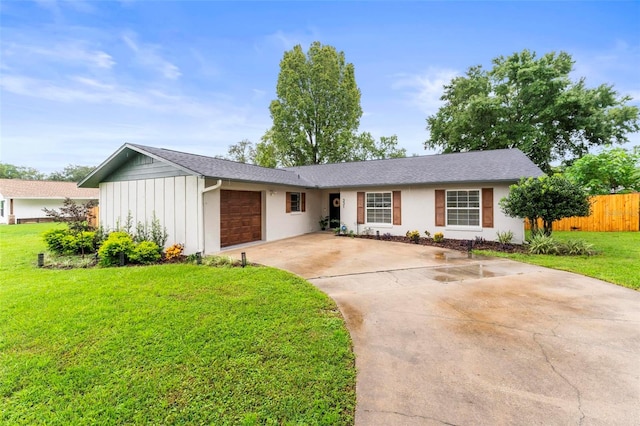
(23, 200)
(209, 203)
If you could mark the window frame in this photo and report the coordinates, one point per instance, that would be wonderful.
(389, 208)
(478, 208)
(298, 204)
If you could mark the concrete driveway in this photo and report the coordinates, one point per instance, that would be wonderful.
(443, 339)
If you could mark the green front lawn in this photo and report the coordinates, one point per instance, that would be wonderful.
(618, 260)
(166, 344)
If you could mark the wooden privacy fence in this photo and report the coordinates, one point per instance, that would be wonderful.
(96, 215)
(615, 212)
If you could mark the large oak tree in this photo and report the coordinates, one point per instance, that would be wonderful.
(317, 110)
(530, 103)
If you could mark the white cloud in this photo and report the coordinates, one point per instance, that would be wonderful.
(147, 55)
(424, 90)
(80, 89)
(75, 52)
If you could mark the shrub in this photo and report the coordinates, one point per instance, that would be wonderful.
(145, 252)
(438, 237)
(542, 244)
(575, 248)
(413, 236)
(116, 243)
(505, 237)
(53, 239)
(63, 241)
(159, 233)
(174, 252)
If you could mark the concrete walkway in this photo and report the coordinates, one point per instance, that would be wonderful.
(443, 339)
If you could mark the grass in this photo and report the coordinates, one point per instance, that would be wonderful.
(166, 344)
(617, 261)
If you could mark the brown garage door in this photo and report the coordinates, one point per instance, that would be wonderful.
(240, 217)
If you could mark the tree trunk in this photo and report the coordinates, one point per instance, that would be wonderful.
(548, 227)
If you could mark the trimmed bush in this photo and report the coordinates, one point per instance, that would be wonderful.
(62, 241)
(116, 243)
(145, 252)
(53, 239)
(438, 237)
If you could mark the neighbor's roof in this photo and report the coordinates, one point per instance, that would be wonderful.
(19, 189)
(507, 165)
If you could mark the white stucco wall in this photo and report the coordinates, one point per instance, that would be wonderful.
(193, 218)
(27, 208)
(418, 213)
(175, 201)
(276, 222)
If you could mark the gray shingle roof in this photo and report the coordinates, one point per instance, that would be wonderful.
(504, 165)
(225, 169)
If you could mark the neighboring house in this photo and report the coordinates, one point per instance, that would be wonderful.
(209, 203)
(23, 200)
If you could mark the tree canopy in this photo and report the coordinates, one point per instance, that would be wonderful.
(9, 171)
(364, 147)
(317, 111)
(549, 198)
(530, 103)
(614, 170)
(71, 173)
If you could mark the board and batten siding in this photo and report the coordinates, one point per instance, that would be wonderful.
(175, 201)
(142, 167)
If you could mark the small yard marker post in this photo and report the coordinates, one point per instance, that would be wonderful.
(40, 260)
(377, 235)
(244, 259)
(469, 248)
(199, 258)
(121, 258)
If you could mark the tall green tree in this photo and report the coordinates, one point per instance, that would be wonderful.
(317, 110)
(530, 103)
(71, 173)
(615, 170)
(549, 198)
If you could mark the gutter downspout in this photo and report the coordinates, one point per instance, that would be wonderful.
(202, 192)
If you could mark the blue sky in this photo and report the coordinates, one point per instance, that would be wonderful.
(80, 78)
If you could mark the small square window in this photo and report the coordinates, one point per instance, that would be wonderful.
(294, 198)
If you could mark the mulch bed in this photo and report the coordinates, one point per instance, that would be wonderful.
(460, 245)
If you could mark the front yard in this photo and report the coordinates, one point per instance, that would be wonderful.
(166, 344)
(618, 260)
